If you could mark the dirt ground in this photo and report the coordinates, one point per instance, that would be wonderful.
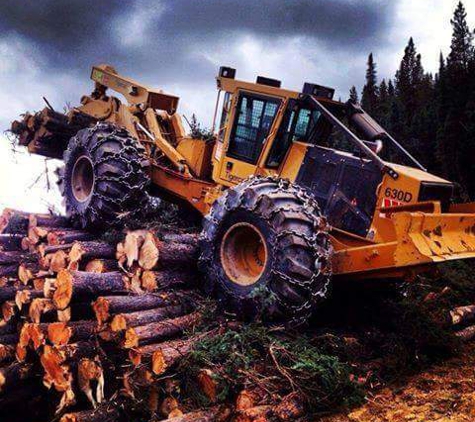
(442, 393)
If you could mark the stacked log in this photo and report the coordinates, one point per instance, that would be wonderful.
(74, 307)
(48, 132)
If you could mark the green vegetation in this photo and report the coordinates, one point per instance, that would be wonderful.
(256, 357)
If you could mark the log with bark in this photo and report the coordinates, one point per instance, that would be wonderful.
(144, 249)
(157, 331)
(10, 242)
(82, 284)
(16, 257)
(62, 237)
(169, 278)
(48, 220)
(162, 356)
(178, 254)
(8, 271)
(9, 327)
(10, 291)
(183, 238)
(121, 322)
(87, 250)
(9, 338)
(44, 249)
(107, 306)
(61, 333)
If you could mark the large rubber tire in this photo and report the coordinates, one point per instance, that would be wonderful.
(296, 270)
(119, 180)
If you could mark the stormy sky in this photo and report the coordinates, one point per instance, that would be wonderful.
(48, 46)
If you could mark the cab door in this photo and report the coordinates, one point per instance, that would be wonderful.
(253, 119)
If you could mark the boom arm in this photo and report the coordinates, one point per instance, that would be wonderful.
(135, 93)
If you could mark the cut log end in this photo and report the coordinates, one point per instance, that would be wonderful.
(101, 309)
(59, 333)
(64, 290)
(118, 323)
(159, 364)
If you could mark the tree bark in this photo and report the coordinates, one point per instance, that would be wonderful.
(44, 250)
(10, 242)
(9, 270)
(91, 249)
(80, 284)
(9, 292)
(61, 333)
(9, 327)
(49, 220)
(177, 254)
(15, 257)
(162, 356)
(121, 322)
(183, 238)
(168, 278)
(9, 338)
(68, 236)
(158, 331)
(107, 306)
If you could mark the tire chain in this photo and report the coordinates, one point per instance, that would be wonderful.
(300, 314)
(129, 145)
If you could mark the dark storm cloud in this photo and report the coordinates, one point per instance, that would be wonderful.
(72, 34)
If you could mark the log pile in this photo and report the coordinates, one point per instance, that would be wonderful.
(84, 321)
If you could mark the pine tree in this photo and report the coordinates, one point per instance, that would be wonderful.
(384, 104)
(461, 49)
(369, 97)
(353, 95)
(406, 79)
(456, 88)
(391, 90)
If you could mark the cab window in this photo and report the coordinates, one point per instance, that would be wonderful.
(298, 124)
(254, 118)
